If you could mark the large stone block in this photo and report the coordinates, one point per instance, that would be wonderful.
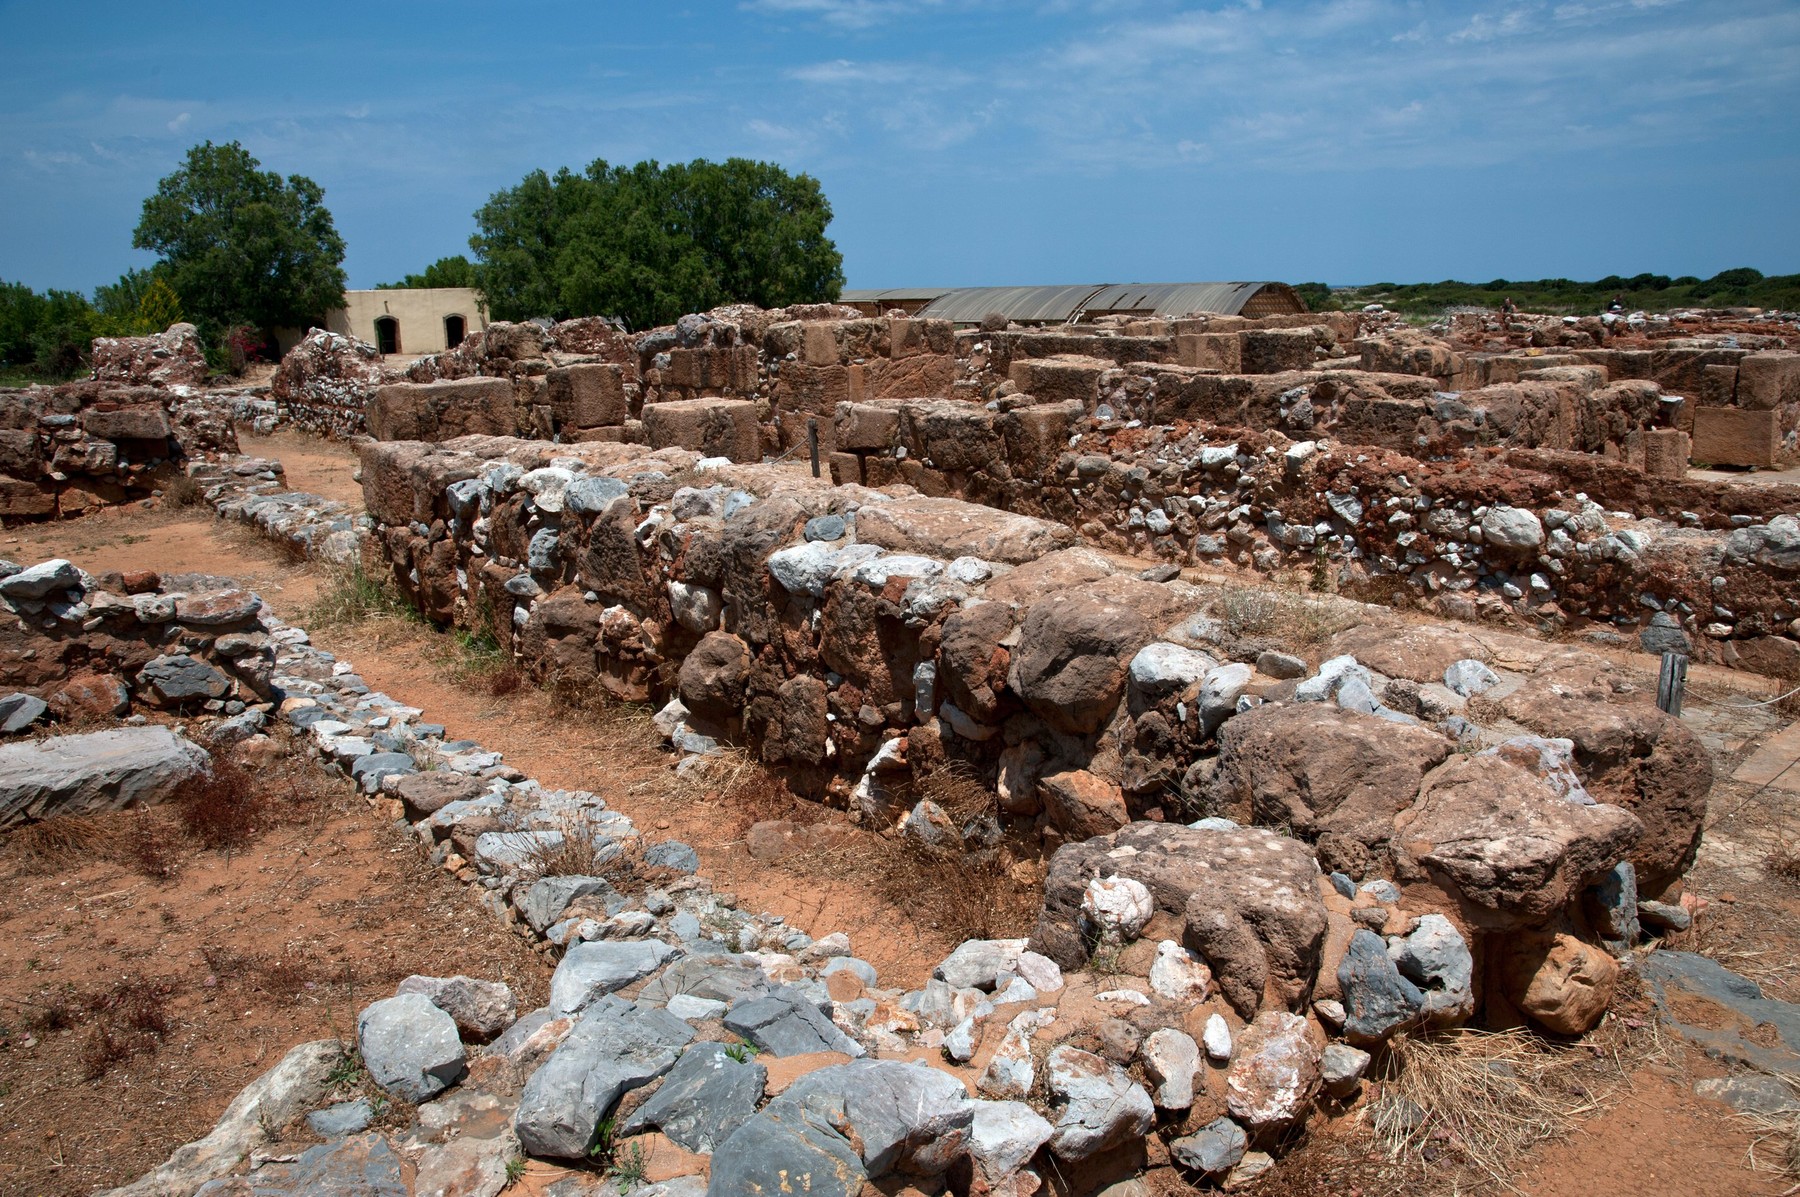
(1272, 350)
(101, 771)
(1736, 436)
(951, 528)
(1210, 351)
(1768, 380)
(712, 427)
(1061, 379)
(438, 411)
(1659, 452)
(587, 396)
(141, 422)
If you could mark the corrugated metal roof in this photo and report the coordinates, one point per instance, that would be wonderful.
(967, 305)
(890, 294)
(1060, 304)
(1174, 299)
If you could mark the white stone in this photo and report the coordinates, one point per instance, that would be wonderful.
(1118, 906)
(1172, 1060)
(1177, 975)
(1217, 1037)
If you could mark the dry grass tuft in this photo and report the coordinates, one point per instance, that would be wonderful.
(65, 842)
(182, 491)
(350, 598)
(1289, 618)
(1783, 860)
(1486, 1098)
(1775, 1138)
(222, 810)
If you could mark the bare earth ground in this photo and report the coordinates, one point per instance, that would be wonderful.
(222, 968)
(1658, 1135)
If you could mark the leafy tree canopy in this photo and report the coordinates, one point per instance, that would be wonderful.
(453, 271)
(240, 245)
(649, 243)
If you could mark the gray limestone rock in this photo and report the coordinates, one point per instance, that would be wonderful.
(1213, 1150)
(602, 966)
(1435, 958)
(20, 711)
(360, 1166)
(1100, 1105)
(795, 1149)
(98, 771)
(705, 1097)
(36, 581)
(296, 1084)
(978, 963)
(344, 1118)
(616, 1046)
(480, 1009)
(178, 678)
(1004, 1136)
(410, 1047)
(1377, 999)
(907, 1117)
(789, 1022)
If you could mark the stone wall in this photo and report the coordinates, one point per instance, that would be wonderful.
(1535, 539)
(71, 449)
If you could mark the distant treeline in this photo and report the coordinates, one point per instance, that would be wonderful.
(1740, 287)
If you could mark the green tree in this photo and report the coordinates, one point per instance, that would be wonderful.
(454, 271)
(240, 245)
(45, 335)
(648, 243)
(139, 304)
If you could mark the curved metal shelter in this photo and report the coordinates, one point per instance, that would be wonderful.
(1073, 303)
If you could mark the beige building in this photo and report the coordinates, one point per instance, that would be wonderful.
(410, 320)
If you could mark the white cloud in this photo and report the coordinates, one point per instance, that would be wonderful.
(845, 14)
(176, 125)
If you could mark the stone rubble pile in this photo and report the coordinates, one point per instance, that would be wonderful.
(72, 449)
(170, 358)
(1482, 540)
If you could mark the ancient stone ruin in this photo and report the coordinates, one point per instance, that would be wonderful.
(1125, 577)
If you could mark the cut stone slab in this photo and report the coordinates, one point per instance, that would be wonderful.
(98, 771)
(951, 528)
(615, 1047)
(705, 1097)
(1679, 979)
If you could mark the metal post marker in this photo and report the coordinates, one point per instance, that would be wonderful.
(812, 443)
(1671, 682)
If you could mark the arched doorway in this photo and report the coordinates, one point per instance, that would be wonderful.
(454, 330)
(387, 334)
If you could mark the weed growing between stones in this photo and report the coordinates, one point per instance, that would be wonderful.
(351, 597)
(1281, 615)
(182, 491)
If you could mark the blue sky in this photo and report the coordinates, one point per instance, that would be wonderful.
(959, 141)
